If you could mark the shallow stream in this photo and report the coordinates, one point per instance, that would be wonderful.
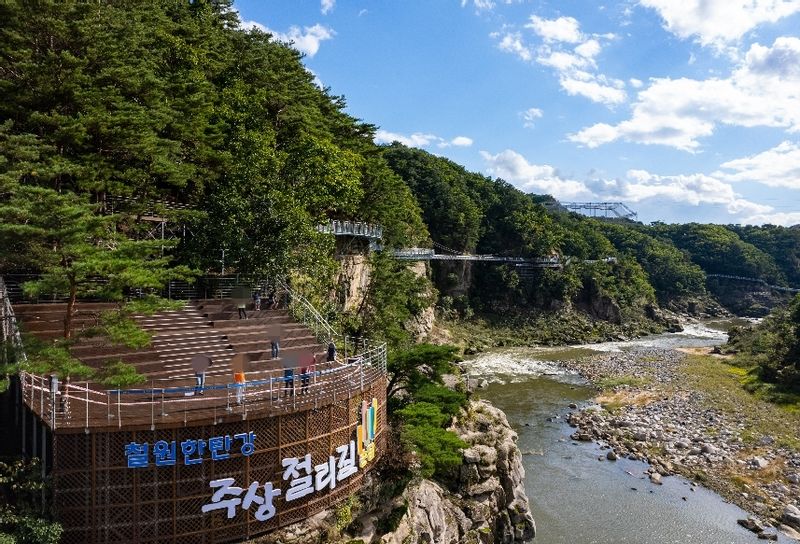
(577, 498)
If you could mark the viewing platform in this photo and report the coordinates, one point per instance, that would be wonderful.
(150, 464)
(170, 396)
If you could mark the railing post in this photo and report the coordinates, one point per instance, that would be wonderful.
(87, 407)
(119, 412)
(152, 406)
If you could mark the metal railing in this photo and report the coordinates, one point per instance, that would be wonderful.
(305, 312)
(86, 405)
(352, 228)
(9, 331)
(754, 280)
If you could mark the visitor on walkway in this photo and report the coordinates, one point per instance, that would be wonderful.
(239, 379)
(257, 301)
(288, 377)
(200, 364)
(272, 302)
(275, 341)
(309, 362)
(200, 378)
(242, 313)
(331, 352)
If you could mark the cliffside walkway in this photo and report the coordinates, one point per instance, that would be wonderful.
(755, 280)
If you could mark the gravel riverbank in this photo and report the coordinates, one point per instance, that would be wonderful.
(652, 412)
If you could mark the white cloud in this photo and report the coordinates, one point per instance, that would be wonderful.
(317, 80)
(776, 167)
(635, 83)
(306, 41)
(777, 218)
(327, 6)
(418, 139)
(575, 66)
(514, 168)
(563, 29)
(589, 49)
(461, 141)
(253, 25)
(421, 139)
(563, 61)
(693, 189)
(719, 22)
(512, 43)
(480, 5)
(530, 115)
(594, 90)
(637, 186)
(764, 90)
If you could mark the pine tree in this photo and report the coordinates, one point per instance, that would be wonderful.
(78, 251)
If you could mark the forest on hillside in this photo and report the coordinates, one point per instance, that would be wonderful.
(115, 110)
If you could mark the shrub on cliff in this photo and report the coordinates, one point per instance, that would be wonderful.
(772, 347)
(438, 450)
(422, 407)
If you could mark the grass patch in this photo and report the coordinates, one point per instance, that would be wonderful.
(726, 389)
(607, 384)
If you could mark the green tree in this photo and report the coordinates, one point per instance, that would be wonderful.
(73, 246)
(410, 369)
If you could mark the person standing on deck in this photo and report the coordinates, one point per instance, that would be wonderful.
(239, 379)
(200, 364)
(309, 366)
(257, 301)
(242, 310)
(275, 341)
(331, 352)
(288, 376)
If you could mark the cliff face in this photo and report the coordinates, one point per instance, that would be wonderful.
(353, 281)
(421, 324)
(490, 504)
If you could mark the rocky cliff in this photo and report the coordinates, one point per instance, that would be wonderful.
(485, 504)
(488, 504)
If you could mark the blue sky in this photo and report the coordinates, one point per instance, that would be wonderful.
(685, 111)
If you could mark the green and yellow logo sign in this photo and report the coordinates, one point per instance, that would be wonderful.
(366, 432)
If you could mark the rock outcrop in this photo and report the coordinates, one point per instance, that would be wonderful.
(421, 324)
(488, 504)
(353, 281)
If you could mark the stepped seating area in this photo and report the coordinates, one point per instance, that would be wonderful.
(209, 327)
(170, 395)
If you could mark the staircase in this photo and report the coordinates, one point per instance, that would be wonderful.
(210, 327)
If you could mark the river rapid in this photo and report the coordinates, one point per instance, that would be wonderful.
(576, 495)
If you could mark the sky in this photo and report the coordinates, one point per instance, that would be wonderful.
(684, 110)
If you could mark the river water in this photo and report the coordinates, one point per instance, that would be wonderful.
(576, 498)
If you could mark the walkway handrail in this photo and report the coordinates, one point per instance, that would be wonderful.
(302, 309)
(754, 280)
(85, 405)
(8, 323)
(352, 228)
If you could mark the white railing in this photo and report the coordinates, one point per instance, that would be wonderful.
(305, 312)
(352, 228)
(86, 405)
(754, 280)
(8, 323)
